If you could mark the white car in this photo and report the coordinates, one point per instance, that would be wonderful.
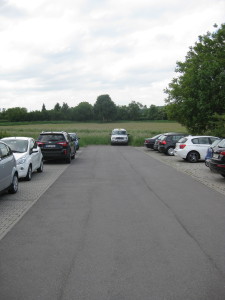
(119, 136)
(193, 148)
(27, 154)
(8, 171)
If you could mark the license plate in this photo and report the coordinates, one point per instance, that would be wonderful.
(50, 146)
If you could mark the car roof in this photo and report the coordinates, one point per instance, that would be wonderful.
(174, 133)
(198, 136)
(17, 138)
(53, 132)
(119, 129)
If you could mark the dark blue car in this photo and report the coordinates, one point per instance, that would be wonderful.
(209, 153)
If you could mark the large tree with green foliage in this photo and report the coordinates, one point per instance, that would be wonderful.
(198, 93)
(82, 112)
(104, 109)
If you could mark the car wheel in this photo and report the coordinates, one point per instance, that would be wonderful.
(68, 159)
(193, 157)
(29, 173)
(40, 169)
(206, 163)
(170, 151)
(14, 185)
(73, 156)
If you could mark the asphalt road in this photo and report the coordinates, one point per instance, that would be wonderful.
(118, 225)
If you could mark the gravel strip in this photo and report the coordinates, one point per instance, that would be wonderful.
(13, 207)
(197, 170)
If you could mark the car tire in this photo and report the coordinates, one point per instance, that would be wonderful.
(206, 163)
(40, 169)
(170, 151)
(223, 175)
(14, 185)
(73, 156)
(29, 173)
(193, 157)
(68, 159)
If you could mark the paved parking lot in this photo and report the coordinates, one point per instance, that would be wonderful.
(13, 207)
(197, 170)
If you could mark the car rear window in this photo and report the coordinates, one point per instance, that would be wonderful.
(183, 140)
(51, 137)
(200, 140)
(221, 144)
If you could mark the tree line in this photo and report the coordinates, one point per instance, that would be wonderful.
(104, 110)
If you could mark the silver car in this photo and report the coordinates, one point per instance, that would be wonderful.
(8, 171)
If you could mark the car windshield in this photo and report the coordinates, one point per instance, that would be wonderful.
(51, 137)
(222, 144)
(17, 146)
(216, 142)
(119, 132)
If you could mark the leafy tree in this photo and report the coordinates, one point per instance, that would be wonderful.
(104, 109)
(43, 108)
(57, 107)
(156, 113)
(83, 112)
(199, 90)
(122, 112)
(134, 110)
(16, 114)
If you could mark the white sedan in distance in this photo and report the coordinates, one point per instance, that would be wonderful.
(27, 154)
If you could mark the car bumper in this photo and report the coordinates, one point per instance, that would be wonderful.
(180, 154)
(61, 154)
(150, 146)
(22, 170)
(217, 167)
(119, 142)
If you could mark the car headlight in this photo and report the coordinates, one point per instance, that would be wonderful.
(21, 160)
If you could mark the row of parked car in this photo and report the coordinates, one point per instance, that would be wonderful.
(21, 156)
(210, 149)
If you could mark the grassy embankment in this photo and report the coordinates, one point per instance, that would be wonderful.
(93, 133)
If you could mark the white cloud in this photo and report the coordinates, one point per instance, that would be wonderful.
(71, 51)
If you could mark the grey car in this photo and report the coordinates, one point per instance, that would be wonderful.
(8, 171)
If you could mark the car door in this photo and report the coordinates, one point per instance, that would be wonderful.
(6, 166)
(35, 154)
(203, 145)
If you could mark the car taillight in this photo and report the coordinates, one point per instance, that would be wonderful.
(40, 143)
(222, 153)
(182, 146)
(64, 144)
(163, 143)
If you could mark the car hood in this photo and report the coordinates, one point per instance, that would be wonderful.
(19, 155)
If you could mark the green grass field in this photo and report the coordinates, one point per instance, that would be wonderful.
(94, 133)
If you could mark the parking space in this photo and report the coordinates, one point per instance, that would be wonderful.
(197, 170)
(13, 207)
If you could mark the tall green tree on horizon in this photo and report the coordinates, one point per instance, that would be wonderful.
(198, 92)
(104, 109)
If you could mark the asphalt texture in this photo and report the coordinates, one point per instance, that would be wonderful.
(118, 224)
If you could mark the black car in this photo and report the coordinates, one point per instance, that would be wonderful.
(149, 142)
(168, 142)
(56, 145)
(217, 162)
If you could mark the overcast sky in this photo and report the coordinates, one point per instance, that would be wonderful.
(75, 50)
